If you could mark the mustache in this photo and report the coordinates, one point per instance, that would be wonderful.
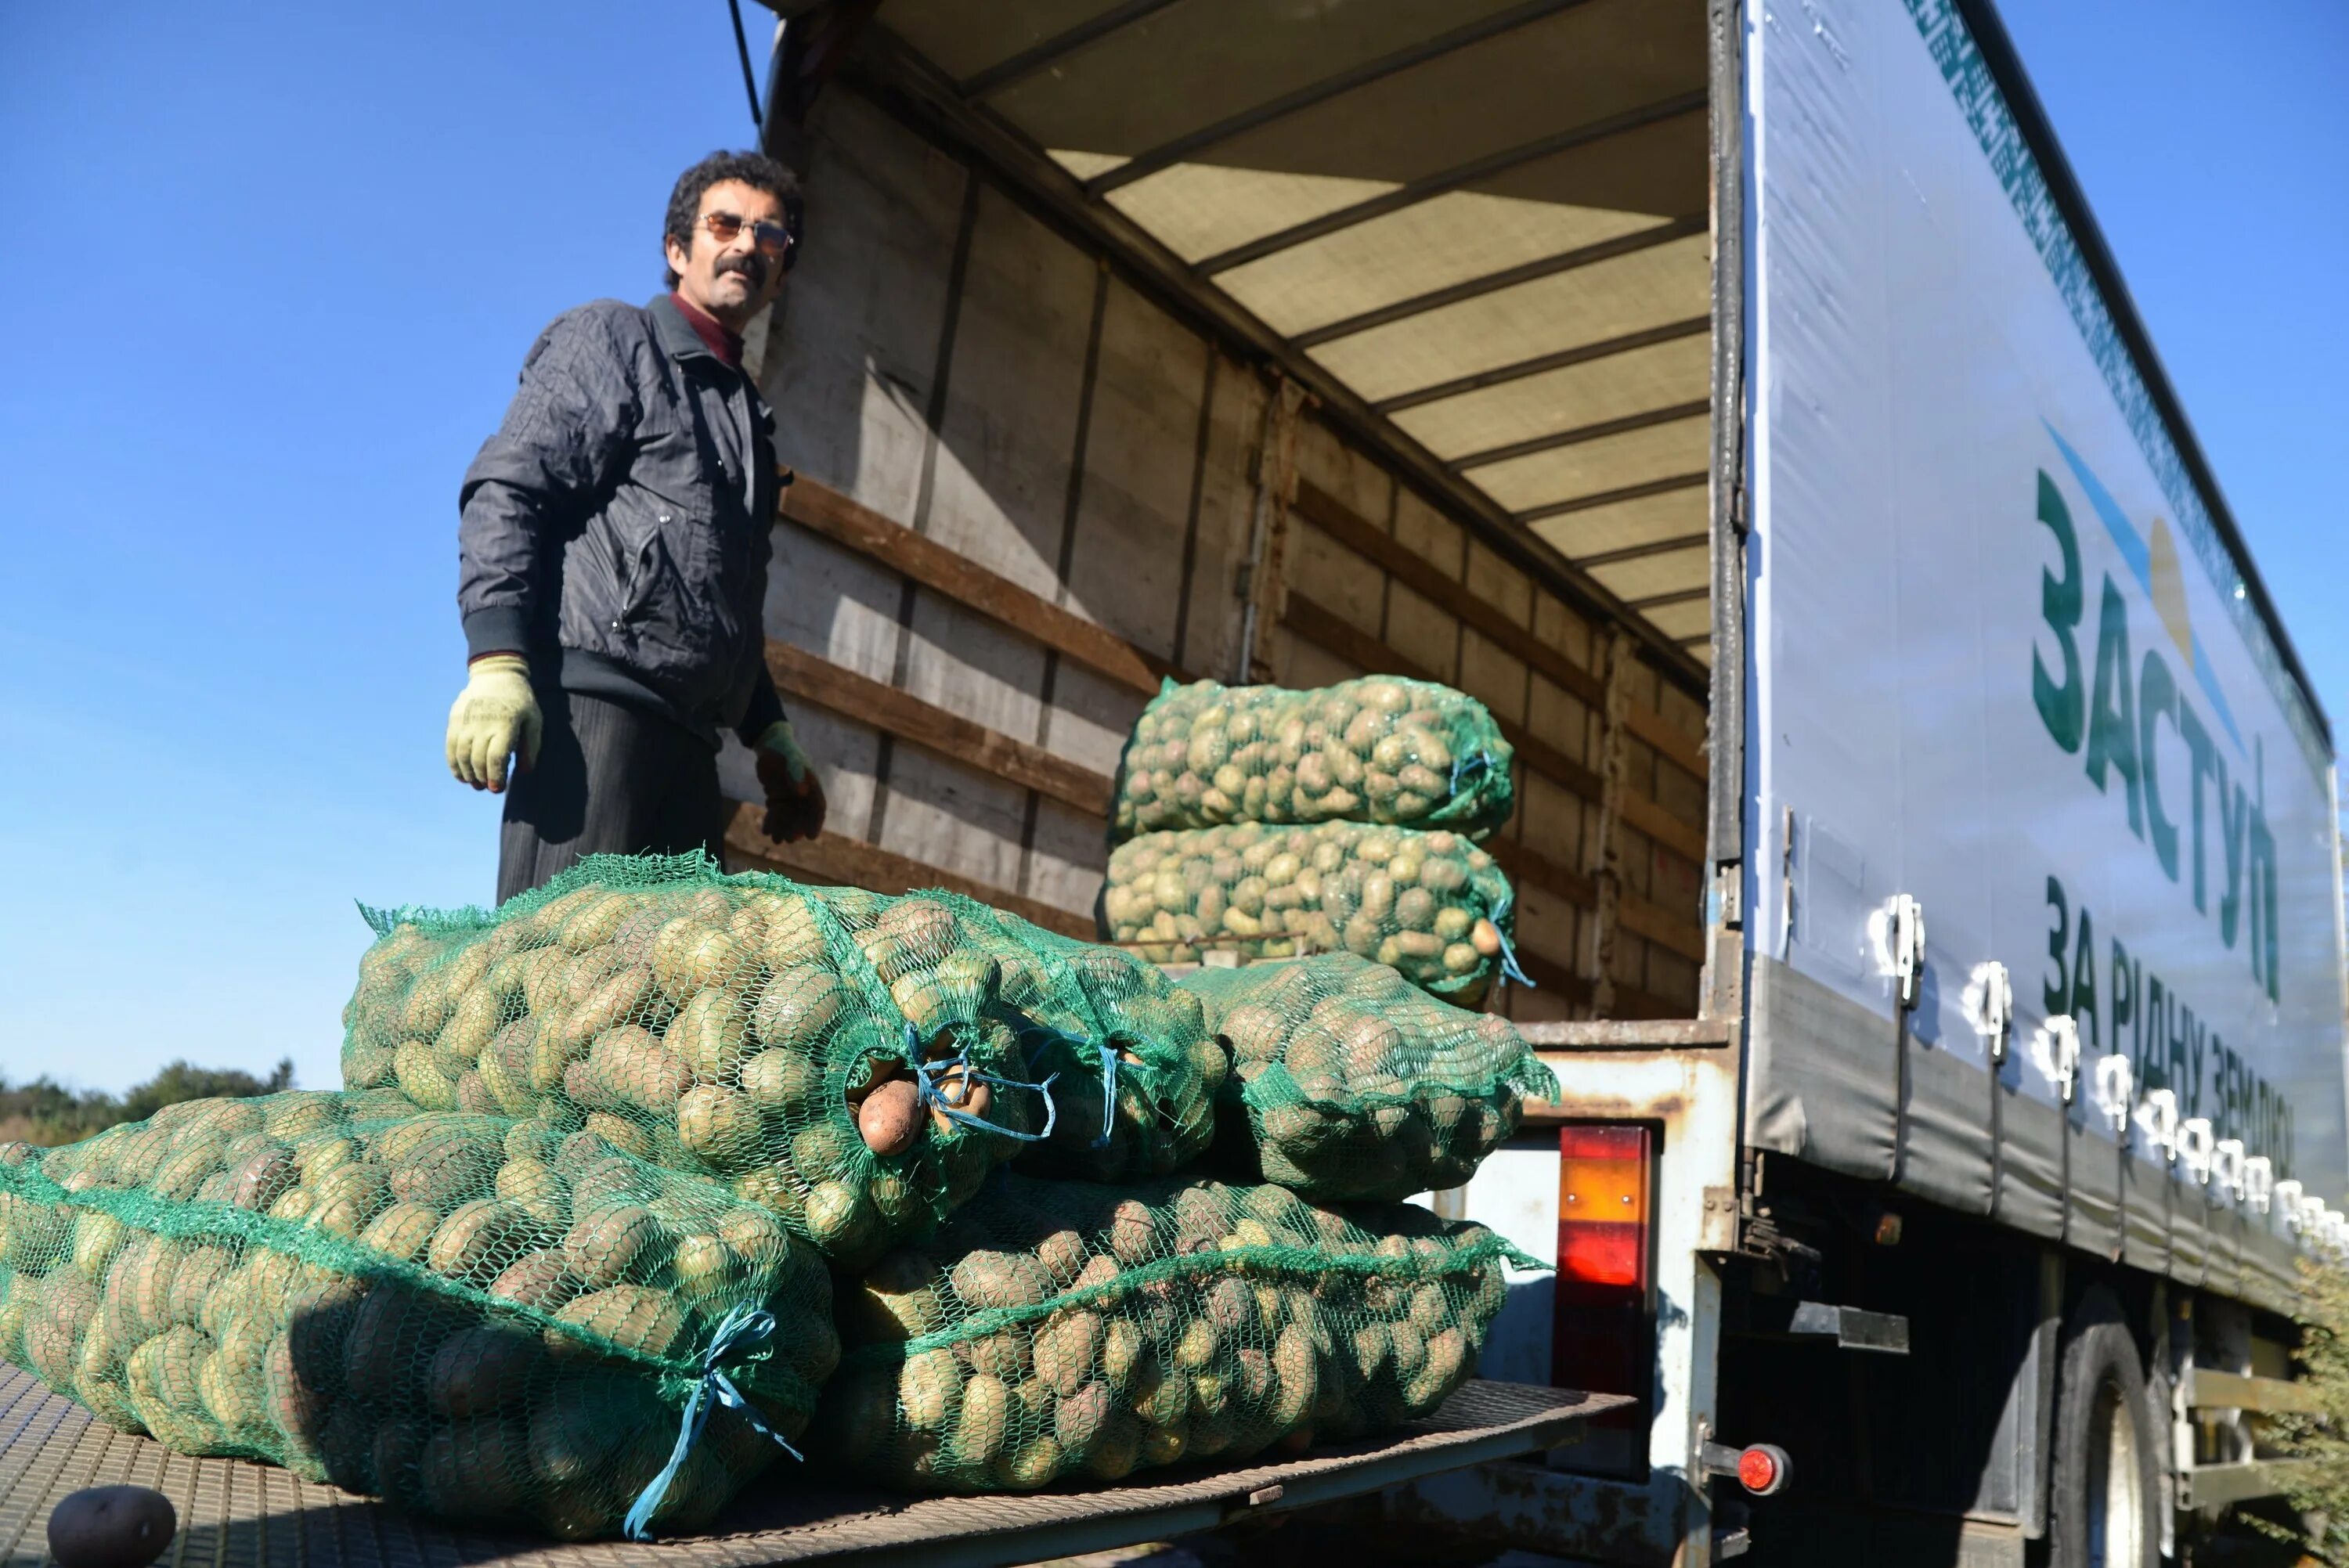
(753, 267)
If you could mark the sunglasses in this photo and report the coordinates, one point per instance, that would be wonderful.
(773, 240)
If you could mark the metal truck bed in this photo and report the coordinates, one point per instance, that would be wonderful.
(238, 1515)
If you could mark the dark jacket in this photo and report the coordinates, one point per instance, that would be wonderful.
(623, 514)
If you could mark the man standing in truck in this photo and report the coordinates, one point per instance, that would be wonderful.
(612, 545)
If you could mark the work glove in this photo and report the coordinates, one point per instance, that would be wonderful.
(495, 717)
(794, 794)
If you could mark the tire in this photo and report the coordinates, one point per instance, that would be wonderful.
(2106, 1498)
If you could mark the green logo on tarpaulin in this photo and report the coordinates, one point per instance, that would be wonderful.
(2206, 830)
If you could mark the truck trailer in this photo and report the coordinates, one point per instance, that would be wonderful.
(1925, 851)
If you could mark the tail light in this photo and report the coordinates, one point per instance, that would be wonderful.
(1603, 1335)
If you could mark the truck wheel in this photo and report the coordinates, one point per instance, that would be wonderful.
(2108, 1480)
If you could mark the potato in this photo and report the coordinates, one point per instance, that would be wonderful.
(797, 1007)
(711, 1035)
(621, 1135)
(840, 1216)
(485, 1369)
(231, 1382)
(442, 1172)
(929, 1389)
(392, 1337)
(629, 1070)
(531, 1189)
(635, 1317)
(474, 1241)
(542, 1279)
(112, 1527)
(593, 922)
(605, 1246)
(890, 1119)
(780, 1080)
(401, 1230)
(162, 1376)
(416, 1068)
(348, 1198)
(983, 1424)
(721, 1125)
(97, 1237)
(476, 1471)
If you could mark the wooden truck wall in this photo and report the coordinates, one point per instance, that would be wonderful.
(1027, 493)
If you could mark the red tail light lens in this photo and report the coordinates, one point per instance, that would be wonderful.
(1602, 1209)
(1603, 1329)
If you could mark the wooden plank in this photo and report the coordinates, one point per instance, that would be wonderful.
(850, 863)
(1678, 933)
(1357, 533)
(1676, 834)
(1327, 629)
(1671, 744)
(1631, 1002)
(1365, 539)
(1553, 978)
(812, 678)
(1537, 869)
(825, 510)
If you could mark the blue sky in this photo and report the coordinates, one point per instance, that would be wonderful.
(267, 271)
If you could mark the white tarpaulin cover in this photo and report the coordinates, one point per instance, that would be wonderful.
(2003, 662)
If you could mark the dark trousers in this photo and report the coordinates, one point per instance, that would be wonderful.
(609, 779)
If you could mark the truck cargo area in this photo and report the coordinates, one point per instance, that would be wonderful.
(1277, 347)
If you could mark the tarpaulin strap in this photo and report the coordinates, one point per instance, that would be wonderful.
(745, 1330)
(926, 1081)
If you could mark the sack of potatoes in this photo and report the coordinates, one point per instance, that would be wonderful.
(471, 1316)
(1379, 749)
(1431, 906)
(1139, 1099)
(853, 1061)
(1348, 1082)
(1072, 1331)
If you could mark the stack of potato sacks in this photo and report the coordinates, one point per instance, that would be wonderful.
(1255, 822)
(941, 1199)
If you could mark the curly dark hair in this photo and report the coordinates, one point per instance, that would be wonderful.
(755, 169)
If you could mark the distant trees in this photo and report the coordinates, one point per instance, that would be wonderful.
(44, 1111)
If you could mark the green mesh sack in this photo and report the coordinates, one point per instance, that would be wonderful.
(1432, 906)
(1073, 1331)
(1379, 749)
(1348, 1083)
(463, 1315)
(1139, 1099)
(855, 1062)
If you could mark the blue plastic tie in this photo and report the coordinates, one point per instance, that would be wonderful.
(926, 1074)
(1509, 970)
(1474, 762)
(745, 1329)
(1109, 1094)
